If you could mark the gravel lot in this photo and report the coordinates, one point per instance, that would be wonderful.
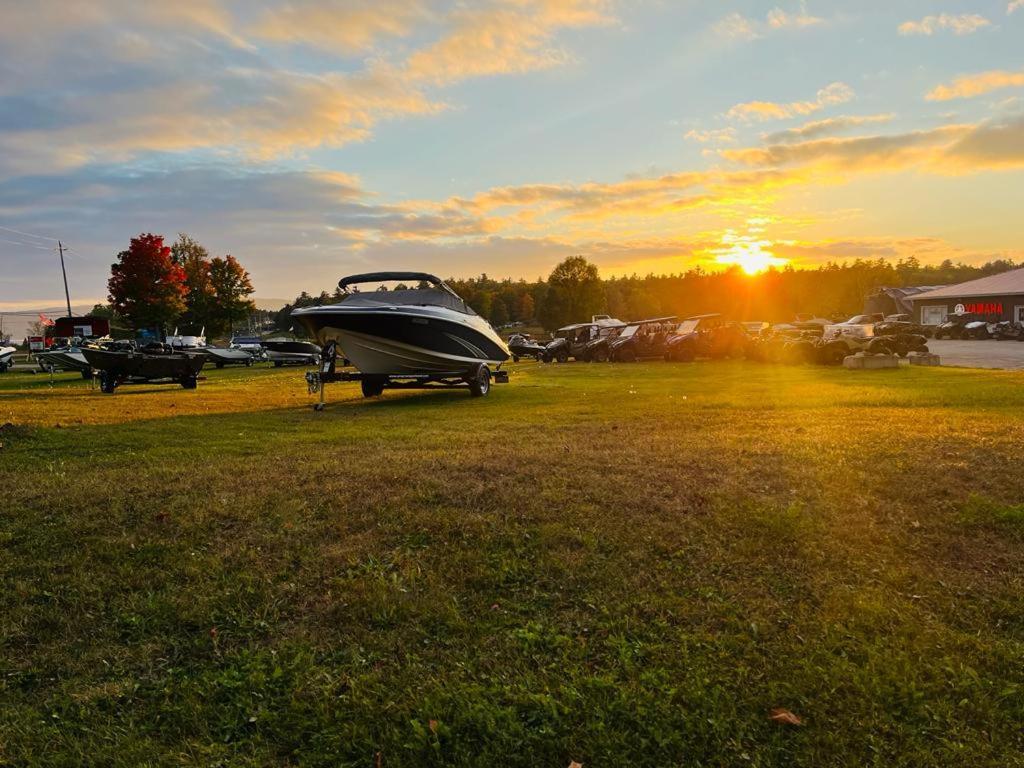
(979, 354)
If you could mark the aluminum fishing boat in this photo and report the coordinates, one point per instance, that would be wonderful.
(425, 331)
(154, 363)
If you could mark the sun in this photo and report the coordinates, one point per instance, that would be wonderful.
(749, 254)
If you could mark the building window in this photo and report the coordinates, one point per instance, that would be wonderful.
(1018, 313)
(933, 315)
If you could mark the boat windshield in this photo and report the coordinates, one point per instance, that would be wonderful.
(408, 297)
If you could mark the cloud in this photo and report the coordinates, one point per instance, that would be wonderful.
(718, 136)
(127, 80)
(834, 93)
(1014, 5)
(736, 26)
(968, 86)
(990, 145)
(828, 127)
(504, 36)
(346, 26)
(963, 24)
(779, 19)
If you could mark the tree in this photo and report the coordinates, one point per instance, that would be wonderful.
(146, 287)
(231, 290)
(575, 293)
(195, 260)
(525, 309)
(499, 312)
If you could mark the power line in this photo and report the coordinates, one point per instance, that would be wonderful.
(27, 245)
(29, 234)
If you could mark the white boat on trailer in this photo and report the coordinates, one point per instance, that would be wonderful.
(405, 338)
(6, 357)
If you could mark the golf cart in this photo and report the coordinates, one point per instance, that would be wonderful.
(641, 340)
(708, 335)
(578, 341)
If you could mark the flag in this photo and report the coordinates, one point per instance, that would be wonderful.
(45, 320)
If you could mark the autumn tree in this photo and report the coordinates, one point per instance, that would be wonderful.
(575, 292)
(192, 257)
(146, 287)
(232, 288)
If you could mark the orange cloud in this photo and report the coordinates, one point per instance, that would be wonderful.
(948, 149)
(350, 26)
(505, 36)
(827, 127)
(963, 24)
(968, 86)
(834, 93)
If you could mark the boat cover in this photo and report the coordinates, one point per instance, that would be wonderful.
(433, 297)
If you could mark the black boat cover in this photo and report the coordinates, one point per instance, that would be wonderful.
(434, 297)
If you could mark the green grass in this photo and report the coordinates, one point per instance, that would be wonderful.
(618, 565)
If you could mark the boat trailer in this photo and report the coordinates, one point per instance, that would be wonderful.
(478, 380)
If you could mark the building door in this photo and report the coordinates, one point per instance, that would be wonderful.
(935, 315)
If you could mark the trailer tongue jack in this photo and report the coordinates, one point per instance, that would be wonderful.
(478, 379)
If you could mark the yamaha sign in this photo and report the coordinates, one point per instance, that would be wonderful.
(980, 308)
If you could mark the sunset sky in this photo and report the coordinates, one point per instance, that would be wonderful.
(315, 139)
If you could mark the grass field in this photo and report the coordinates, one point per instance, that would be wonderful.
(617, 565)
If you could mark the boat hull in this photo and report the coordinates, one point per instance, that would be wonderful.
(138, 365)
(228, 356)
(61, 360)
(406, 340)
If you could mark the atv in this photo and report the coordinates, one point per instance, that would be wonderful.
(954, 327)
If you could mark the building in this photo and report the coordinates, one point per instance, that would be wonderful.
(86, 327)
(996, 297)
(895, 301)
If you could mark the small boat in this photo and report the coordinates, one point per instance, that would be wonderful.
(64, 358)
(291, 352)
(221, 356)
(187, 341)
(6, 357)
(152, 364)
(253, 344)
(421, 335)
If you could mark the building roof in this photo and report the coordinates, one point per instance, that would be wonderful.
(994, 285)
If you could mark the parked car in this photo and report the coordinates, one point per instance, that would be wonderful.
(708, 335)
(641, 340)
(574, 340)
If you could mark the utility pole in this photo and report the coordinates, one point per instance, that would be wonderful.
(60, 247)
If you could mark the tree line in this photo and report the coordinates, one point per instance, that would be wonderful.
(574, 291)
(156, 286)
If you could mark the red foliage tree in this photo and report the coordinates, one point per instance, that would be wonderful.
(145, 285)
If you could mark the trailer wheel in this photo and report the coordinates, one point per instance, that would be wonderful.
(372, 386)
(108, 382)
(189, 382)
(480, 381)
(248, 363)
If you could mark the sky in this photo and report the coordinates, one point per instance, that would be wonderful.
(317, 138)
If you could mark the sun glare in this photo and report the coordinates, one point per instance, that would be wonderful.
(746, 252)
